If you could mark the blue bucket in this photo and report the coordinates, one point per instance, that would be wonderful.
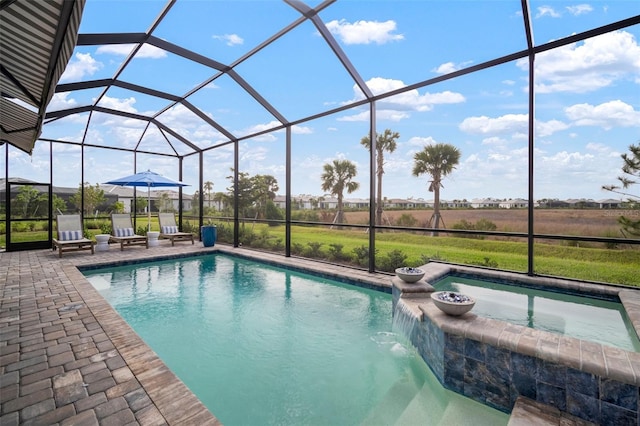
(209, 234)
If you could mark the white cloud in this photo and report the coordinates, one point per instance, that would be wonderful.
(364, 32)
(126, 105)
(498, 157)
(580, 9)
(361, 116)
(446, 68)
(483, 125)
(449, 67)
(602, 149)
(391, 115)
(260, 127)
(547, 11)
(81, 65)
(514, 125)
(253, 153)
(301, 130)
(298, 130)
(494, 140)
(61, 101)
(548, 128)
(587, 170)
(420, 141)
(607, 115)
(570, 160)
(147, 50)
(230, 39)
(587, 66)
(398, 107)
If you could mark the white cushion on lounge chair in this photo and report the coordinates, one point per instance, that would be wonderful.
(124, 232)
(70, 235)
(169, 229)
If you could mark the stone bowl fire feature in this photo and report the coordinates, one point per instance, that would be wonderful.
(409, 275)
(452, 303)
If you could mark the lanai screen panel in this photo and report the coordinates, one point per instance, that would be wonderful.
(299, 74)
(231, 28)
(392, 48)
(555, 20)
(70, 128)
(232, 107)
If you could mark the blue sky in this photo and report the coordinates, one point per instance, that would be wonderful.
(587, 94)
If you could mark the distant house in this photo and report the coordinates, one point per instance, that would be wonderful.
(454, 204)
(173, 197)
(396, 203)
(356, 203)
(125, 195)
(484, 203)
(609, 203)
(280, 201)
(328, 203)
(582, 203)
(516, 203)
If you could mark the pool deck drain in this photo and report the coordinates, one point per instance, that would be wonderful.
(67, 357)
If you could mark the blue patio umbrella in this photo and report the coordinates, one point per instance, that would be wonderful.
(146, 179)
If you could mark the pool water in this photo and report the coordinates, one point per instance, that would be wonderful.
(259, 345)
(586, 318)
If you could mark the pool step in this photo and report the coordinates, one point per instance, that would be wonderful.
(393, 403)
(409, 403)
(426, 408)
(527, 412)
(399, 395)
(435, 405)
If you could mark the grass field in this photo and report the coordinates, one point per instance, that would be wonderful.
(579, 222)
(621, 266)
(618, 264)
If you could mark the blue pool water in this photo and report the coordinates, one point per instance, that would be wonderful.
(586, 318)
(261, 345)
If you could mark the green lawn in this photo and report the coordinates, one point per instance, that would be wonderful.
(618, 266)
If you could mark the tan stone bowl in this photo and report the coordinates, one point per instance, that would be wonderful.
(452, 303)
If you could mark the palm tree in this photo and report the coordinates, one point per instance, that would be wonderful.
(208, 186)
(437, 161)
(384, 142)
(219, 198)
(336, 178)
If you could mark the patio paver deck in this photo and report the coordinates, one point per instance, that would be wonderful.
(67, 357)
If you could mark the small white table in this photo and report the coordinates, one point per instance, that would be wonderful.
(103, 242)
(152, 237)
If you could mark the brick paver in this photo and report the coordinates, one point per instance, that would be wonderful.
(59, 362)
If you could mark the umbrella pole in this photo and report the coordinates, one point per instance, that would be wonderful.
(148, 207)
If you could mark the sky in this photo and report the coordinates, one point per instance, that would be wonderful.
(587, 103)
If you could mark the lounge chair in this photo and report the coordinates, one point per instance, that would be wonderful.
(169, 229)
(70, 235)
(122, 231)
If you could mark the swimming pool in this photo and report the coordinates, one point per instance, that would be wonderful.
(587, 318)
(262, 345)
